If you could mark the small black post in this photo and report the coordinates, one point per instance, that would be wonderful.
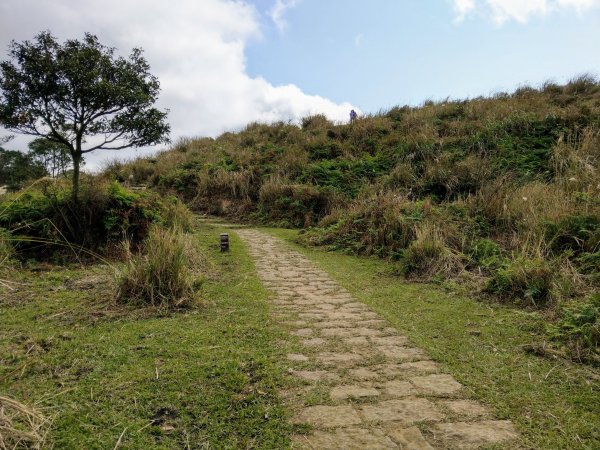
(224, 242)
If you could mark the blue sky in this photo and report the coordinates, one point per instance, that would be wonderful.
(225, 63)
(382, 53)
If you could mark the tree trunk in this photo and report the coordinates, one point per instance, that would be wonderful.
(75, 191)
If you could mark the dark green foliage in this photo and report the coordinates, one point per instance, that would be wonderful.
(521, 144)
(528, 280)
(53, 156)
(579, 329)
(183, 181)
(294, 205)
(576, 233)
(17, 169)
(486, 253)
(105, 216)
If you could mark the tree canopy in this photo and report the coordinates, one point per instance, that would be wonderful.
(80, 94)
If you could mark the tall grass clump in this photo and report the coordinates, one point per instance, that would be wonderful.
(162, 275)
(428, 256)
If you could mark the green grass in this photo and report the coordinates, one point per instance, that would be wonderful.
(202, 378)
(553, 402)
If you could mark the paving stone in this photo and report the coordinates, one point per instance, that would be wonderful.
(466, 408)
(334, 324)
(345, 439)
(344, 392)
(436, 384)
(297, 357)
(408, 438)
(397, 388)
(315, 375)
(362, 373)
(332, 357)
(303, 332)
(358, 341)
(296, 323)
(409, 411)
(419, 366)
(464, 435)
(398, 341)
(401, 353)
(314, 342)
(328, 416)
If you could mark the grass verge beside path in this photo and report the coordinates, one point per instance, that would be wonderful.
(203, 378)
(555, 404)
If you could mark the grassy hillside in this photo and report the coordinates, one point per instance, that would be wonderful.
(501, 194)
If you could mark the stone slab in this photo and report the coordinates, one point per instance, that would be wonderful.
(328, 416)
(409, 411)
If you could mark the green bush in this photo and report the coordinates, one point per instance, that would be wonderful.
(589, 263)
(486, 253)
(163, 275)
(579, 329)
(527, 280)
(575, 232)
(294, 205)
(428, 256)
(104, 215)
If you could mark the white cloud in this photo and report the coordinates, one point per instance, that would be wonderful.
(277, 12)
(463, 8)
(521, 11)
(196, 48)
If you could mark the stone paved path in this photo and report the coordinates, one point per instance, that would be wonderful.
(364, 386)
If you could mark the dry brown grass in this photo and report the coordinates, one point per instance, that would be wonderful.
(21, 426)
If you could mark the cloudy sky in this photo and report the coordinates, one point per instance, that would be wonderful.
(224, 63)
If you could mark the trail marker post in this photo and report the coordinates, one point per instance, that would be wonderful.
(224, 242)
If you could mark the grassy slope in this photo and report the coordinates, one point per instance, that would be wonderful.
(554, 403)
(94, 367)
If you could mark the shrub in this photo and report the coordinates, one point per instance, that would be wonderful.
(577, 233)
(381, 224)
(105, 214)
(294, 205)
(486, 253)
(428, 256)
(528, 280)
(579, 329)
(163, 275)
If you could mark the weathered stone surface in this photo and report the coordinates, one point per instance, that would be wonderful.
(419, 366)
(345, 439)
(464, 435)
(352, 391)
(358, 341)
(328, 416)
(401, 353)
(332, 357)
(398, 341)
(334, 324)
(314, 342)
(397, 388)
(362, 373)
(315, 375)
(409, 411)
(437, 384)
(297, 357)
(408, 438)
(466, 408)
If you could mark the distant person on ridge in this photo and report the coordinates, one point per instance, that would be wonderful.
(353, 116)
